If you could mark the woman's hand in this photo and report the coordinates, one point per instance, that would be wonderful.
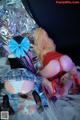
(48, 85)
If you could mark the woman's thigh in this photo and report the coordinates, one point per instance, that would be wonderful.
(15, 87)
(51, 69)
(66, 63)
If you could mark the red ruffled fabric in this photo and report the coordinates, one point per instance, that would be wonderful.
(50, 56)
(57, 84)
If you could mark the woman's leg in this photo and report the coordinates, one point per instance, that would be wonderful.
(15, 87)
(51, 69)
(68, 66)
(9, 87)
(66, 63)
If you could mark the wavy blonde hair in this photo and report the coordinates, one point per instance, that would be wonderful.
(42, 42)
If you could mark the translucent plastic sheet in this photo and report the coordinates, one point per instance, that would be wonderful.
(14, 19)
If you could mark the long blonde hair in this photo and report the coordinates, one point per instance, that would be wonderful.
(42, 42)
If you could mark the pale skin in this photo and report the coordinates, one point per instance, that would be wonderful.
(23, 90)
(44, 44)
(11, 89)
(49, 71)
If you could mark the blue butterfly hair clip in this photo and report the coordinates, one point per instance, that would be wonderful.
(19, 50)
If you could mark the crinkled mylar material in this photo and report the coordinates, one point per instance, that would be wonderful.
(17, 19)
(14, 20)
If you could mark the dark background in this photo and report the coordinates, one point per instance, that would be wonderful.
(62, 22)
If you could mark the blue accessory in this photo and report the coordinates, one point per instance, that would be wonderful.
(19, 50)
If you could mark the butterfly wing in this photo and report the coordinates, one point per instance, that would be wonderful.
(18, 52)
(25, 44)
(13, 45)
(22, 52)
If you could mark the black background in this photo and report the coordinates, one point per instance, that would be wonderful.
(62, 22)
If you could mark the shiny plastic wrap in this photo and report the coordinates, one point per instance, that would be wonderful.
(14, 19)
